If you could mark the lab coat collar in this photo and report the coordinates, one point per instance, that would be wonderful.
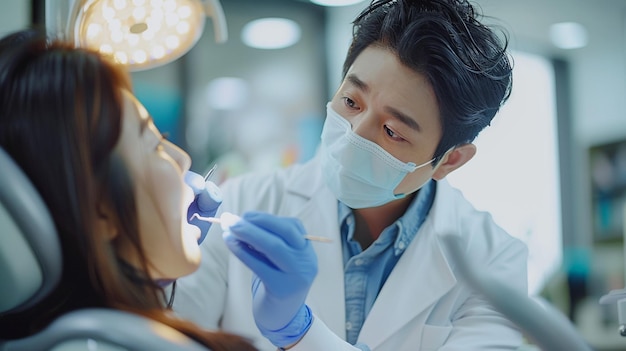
(447, 218)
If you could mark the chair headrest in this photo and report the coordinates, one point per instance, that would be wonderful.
(30, 252)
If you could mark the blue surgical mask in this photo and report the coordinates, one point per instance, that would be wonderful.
(360, 173)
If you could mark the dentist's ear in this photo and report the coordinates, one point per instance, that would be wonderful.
(454, 159)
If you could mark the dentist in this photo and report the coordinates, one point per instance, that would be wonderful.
(421, 79)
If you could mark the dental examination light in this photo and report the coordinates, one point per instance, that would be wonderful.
(141, 34)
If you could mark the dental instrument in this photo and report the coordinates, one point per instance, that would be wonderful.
(210, 172)
(227, 219)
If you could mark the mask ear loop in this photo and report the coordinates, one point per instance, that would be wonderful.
(435, 166)
(431, 161)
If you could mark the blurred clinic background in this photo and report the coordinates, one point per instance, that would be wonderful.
(551, 168)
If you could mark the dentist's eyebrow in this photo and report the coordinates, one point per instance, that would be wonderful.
(402, 117)
(410, 122)
(361, 85)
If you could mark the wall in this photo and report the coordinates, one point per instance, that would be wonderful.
(596, 74)
(284, 90)
(14, 15)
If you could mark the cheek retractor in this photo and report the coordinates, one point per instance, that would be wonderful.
(228, 219)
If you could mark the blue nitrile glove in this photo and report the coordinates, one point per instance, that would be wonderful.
(208, 200)
(284, 265)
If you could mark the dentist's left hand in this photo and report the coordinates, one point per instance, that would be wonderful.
(208, 199)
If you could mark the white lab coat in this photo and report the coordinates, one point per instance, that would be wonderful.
(420, 307)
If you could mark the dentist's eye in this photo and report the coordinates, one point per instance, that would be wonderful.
(349, 102)
(392, 134)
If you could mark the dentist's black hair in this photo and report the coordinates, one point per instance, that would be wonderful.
(464, 60)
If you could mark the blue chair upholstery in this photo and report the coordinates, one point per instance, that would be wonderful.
(30, 253)
(30, 267)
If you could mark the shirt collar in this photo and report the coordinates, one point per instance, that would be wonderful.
(413, 217)
(410, 222)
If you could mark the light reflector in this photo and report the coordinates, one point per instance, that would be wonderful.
(140, 33)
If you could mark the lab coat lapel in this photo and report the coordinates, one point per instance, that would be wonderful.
(420, 278)
(307, 198)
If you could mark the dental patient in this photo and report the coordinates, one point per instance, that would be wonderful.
(114, 185)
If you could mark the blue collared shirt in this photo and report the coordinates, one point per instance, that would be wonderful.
(365, 271)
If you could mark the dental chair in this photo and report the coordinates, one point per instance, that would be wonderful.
(30, 267)
(546, 326)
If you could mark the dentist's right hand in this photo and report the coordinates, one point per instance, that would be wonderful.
(284, 266)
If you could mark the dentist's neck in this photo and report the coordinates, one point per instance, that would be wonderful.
(370, 222)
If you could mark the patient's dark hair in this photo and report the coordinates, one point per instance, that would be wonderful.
(465, 61)
(60, 119)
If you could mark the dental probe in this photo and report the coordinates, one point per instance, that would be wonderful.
(227, 219)
(210, 172)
